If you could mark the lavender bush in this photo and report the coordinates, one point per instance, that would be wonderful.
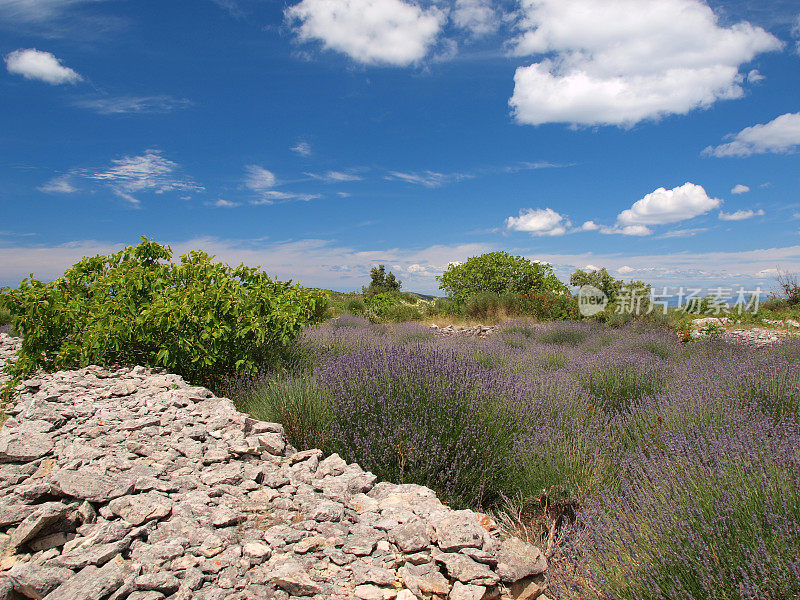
(427, 417)
(671, 468)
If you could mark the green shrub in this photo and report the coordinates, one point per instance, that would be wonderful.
(548, 306)
(401, 313)
(380, 304)
(498, 273)
(298, 403)
(482, 305)
(200, 319)
(5, 316)
(355, 306)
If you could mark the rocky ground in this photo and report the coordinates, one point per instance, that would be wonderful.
(474, 330)
(754, 336)
(133, 484)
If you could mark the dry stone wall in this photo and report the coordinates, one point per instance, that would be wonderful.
(133, 484)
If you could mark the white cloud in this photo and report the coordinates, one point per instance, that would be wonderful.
(683, 233)
(388, 32)
(590, 226)
(35, 64)
(58, 185)
(540, 221)
(618, 62)
(321, 263)
(635, 230)
(476, 16)
(796, 33)
(35, 10)
(302, 148)
(741, 215)
(779, 136)
(149, 172)
(663, 206)
(258, 178)
(740, 189)
(270, 197)
(431, 179)
(222, 203)
(133, 104)
(336, 176)
(754, 76)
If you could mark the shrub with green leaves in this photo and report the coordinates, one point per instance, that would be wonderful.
(200, 319)
(498, 273)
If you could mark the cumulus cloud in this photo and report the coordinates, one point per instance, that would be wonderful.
(741, 215)
(58, 185)
(663, 206)
(779, 136)
(618, 62)
(374, 32)
(740, 189)
(148, 172)
(43, 66)
(476, 16)
(539, 221)
(133, 104)
(258, 178)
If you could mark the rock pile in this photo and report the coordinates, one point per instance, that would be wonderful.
(130, 483)
(475, 331)
(753, 336)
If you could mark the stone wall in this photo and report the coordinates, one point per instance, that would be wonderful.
(133, 484)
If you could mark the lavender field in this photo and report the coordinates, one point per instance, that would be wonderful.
(646, 468)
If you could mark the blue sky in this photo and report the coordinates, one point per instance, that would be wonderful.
(657, 138)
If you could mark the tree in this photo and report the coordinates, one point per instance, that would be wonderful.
(498, 273)
(599, 278)
(381, 282)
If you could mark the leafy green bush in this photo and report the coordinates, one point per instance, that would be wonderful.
(401, 313)
(498, 273)
(482, 305)
(5, 316)
(200, 319)
(355, 306)
(380, 304)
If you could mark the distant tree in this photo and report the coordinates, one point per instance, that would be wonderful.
(599, 278)
(498, 273)
(381, 282)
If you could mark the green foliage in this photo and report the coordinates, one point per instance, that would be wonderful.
(498, 273)
(297, 402)
(380, 304)
(200, 319)
(401, 313)
(381, 282)
(599, 278)
(355, 306)
(483, 305)
(5, 316)
(790, 287)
